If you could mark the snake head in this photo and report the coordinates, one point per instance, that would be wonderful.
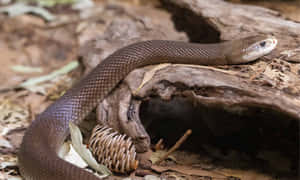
(250, 48)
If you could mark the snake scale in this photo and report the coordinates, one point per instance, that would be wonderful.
(38, 159)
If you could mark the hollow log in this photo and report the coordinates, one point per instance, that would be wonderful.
(256, 106)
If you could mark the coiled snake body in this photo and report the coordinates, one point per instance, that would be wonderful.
(38, 158)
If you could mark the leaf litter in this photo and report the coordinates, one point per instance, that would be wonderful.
(23, 94)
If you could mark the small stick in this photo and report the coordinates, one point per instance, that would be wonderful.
(159, 145)
(176, 146)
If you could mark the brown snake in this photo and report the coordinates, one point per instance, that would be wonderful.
(38, 159)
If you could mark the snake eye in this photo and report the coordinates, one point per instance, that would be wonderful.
(262, 44)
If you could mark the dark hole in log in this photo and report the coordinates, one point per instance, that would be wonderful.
(197, 28)
(249, 130)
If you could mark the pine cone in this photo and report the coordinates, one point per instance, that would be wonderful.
(114, 150)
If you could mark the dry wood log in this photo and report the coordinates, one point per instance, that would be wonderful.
(258, 103)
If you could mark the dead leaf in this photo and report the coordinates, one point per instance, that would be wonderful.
(85, 153)
(11, 116)
(33, 84)
(157, 155)
(64, 70)
(26, 69)
(151, 177)
(82, 4)
(188, 170)
(8, 168)
(73, 157)
(22, 8)
(4, 143)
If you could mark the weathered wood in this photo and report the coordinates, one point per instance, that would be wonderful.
(229, 21)
(264, 94)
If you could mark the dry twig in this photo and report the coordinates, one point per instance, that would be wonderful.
(176, 146)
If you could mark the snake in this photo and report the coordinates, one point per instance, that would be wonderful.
(38, 154)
